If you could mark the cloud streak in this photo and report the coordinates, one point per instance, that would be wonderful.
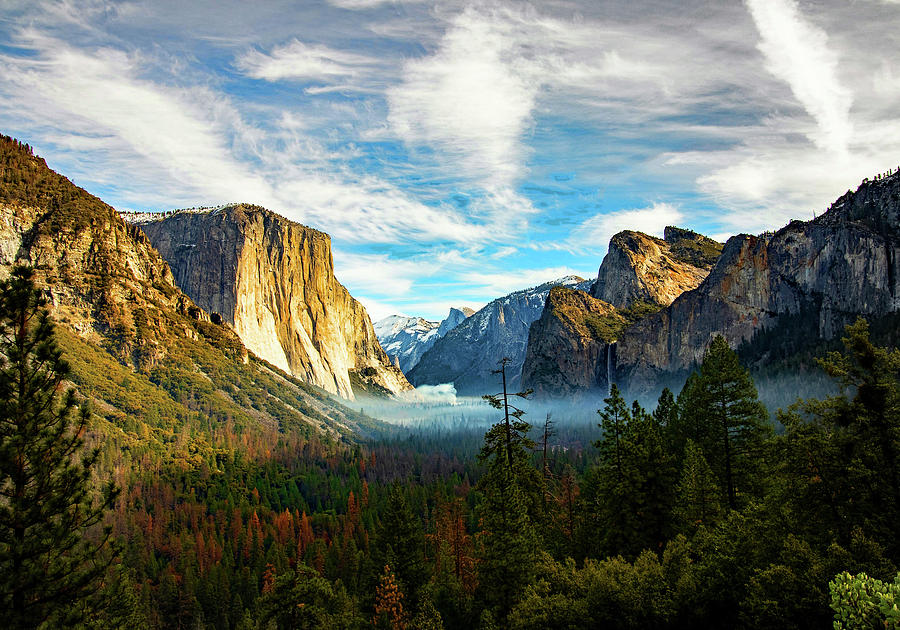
(798, 53)
(297, 60)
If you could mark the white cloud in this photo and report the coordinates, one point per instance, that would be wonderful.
(379, 273)
(472, 99)
(193, 143)
(798, 53)
(297, 60)
(443, 393)
(368, 4)
(185, 132)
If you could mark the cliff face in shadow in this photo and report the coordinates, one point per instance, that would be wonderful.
(466, 355)
(829, 270)
(568, 345)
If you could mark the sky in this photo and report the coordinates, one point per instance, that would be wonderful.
(458, 151)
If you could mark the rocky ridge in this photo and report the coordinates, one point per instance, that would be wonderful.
(568, 346)
(273, 281)
(810, 278)
(828, 271)
(468, 353)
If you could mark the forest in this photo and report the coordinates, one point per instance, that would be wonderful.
(705, 511)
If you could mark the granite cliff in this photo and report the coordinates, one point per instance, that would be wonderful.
(273, 281)
(466, 355)
(103, 278)
(827, 271)
(638, 267)
(569, 349)
(568, 345)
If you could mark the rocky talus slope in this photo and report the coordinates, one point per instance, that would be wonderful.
(273, 281)
(638, 267)
(827, 271)
(466, 355)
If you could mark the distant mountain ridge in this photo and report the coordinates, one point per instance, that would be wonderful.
(800, 286)
(468, 353)
(827, 271)
(406, 339)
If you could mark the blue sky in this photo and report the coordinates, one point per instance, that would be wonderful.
(457, 151)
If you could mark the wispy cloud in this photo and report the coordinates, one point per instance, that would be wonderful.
(798, 53)
(470, 98)
(427, 138)
(298, 60)
(499, 283)
(594, 233)
(187, 133)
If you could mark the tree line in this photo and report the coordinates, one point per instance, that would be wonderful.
(702, 511)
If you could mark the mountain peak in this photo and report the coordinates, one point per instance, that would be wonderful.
(640, 267)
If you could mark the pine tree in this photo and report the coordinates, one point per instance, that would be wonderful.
(614, 420)
(863, 428)
(733, 411)
(301, 599)
(389, 611)
(699, 497)
(48, 563)
(512, 499)
(630, 493)
(400, 542)
(666, 411)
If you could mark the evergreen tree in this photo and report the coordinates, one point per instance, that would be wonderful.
(699, 499)
(691, 420)
(719, 410)
(666, 411)
(614, 420)
(301, 599)
(508, 543)
(512, 496)
(400, 543)
(856, 436)
(631, 491)
(47, 562)
(740, 419)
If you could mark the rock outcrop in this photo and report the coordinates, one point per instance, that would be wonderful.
(103, 278)
(827, 271)
(568, 350)
(468, 353)
(406, 339)
(638, 267)
(273, 281)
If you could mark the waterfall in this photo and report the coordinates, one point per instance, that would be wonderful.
(609, 370)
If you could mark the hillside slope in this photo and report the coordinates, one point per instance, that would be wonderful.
(150, 359)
